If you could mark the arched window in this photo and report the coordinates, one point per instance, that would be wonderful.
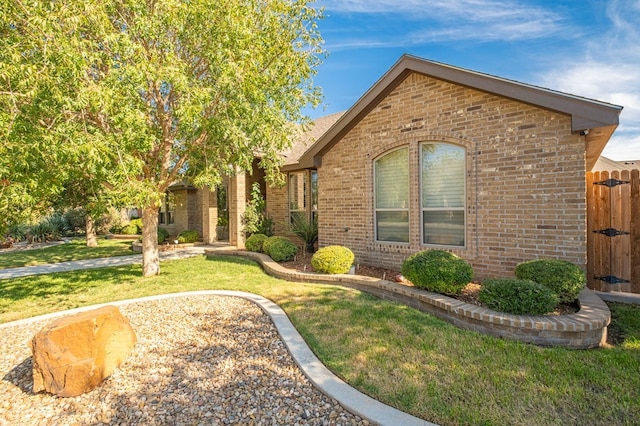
(442, 187)
(391, 189)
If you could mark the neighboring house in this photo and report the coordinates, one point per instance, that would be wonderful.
(435, 156)
(609, 165)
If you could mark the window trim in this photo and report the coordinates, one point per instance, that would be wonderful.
(434, 209)
(305, 200)
(407, 209)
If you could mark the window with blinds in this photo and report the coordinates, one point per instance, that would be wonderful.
(391, 192)
(297, 196)
(442, 176)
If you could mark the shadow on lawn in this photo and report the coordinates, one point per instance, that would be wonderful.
(43, 286)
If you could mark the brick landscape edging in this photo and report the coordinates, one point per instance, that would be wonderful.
(584, 329)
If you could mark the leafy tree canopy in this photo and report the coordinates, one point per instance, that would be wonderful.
(140, 94)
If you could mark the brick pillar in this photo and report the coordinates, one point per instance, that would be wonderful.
(237, 204)
(209, 214)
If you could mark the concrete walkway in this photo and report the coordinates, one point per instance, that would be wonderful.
(99, 263)
(328, 383)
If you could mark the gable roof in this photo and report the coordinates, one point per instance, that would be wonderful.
(596, 119)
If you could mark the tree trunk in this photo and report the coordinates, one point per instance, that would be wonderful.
(150, 257)
(90, 228)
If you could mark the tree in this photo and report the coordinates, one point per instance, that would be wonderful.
(163, 90)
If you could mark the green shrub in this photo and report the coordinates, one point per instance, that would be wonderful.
(332, 260)
(280, 249)
(43, 232)
(564, 278)
(306, 230)
(518, 297)
(438, 271)
(130, 229)
(163, 234)
(255, 218)
(254, 242)
(17, 232)
(59, 221)
(138, 224)
(188, 236)
(76, 218)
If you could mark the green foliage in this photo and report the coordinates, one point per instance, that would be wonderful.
(163, 234)
(188, 236)
(254, 242)
(138, 224)
(333, 260)
(43, 231)
(438, 271)
(60, 222)
(17, 232)
(518, 297)
(129, 229)
(306, 230)
(76, 218)
(255, 218)
(564, 278)
(280, 249)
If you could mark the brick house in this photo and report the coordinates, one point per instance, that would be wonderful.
(435, 156)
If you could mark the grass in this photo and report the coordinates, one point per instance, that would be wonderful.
(400, 356)
(76, 249)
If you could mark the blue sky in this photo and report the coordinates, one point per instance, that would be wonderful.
(589, 48)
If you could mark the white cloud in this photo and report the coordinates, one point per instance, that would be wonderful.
(609, 70)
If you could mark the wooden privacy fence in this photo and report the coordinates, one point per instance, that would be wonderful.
(613, 231)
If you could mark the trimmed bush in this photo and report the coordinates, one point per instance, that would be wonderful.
(564, 278)
(438, 271)
(138, 224)
(280, 249)
(519, 297)
(254, 242)
(130, 229)
(332, 260)
(163, 234)
(188, 236)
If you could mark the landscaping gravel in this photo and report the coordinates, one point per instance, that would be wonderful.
(205, 360)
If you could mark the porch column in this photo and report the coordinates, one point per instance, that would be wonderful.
(237, 204)
(209, 214)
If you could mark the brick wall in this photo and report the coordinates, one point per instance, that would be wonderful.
(525, 184)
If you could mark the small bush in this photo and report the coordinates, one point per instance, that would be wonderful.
(17, 232)
(61, 224)
(280, 249)
(163, 234)
(188, 236)
(254, 242)
(518, 297)
(564, 278)
(43, 232)
(130, 229)
(438, 271)
(138, 224)
(76, 218)
(332, 260)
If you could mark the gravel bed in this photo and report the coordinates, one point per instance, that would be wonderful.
(205, 360)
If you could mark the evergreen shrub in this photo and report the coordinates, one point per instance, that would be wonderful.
(188, 236)
(333, 260)
(564, 278)
(280, 249)
(438, 271)
(255, 242)
(519, 297)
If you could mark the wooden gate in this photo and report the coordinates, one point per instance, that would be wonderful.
(613, 231)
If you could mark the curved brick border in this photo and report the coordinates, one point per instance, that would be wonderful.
(587, 328)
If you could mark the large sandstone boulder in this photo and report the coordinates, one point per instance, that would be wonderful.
(72, 355)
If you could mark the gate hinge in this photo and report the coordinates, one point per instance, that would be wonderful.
(611, 182)
(610, 279)
(611, 232)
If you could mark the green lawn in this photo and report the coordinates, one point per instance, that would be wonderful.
(400, 356)
(76, 249)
